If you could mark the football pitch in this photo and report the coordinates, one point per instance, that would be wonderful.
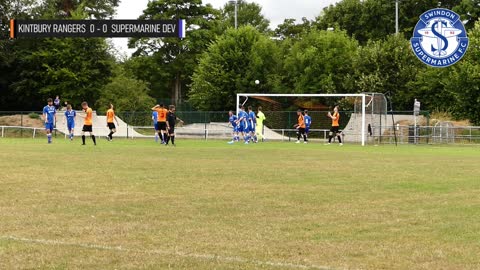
(133, 204)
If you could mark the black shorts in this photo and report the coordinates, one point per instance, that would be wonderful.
(335, 129)
(111, 126)
(171, 131)
(87, 128)
(301, 130)
(162, 126)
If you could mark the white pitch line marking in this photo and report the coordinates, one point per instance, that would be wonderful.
(162, 252)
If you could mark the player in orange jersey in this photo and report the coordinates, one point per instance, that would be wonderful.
(162, 122)
(334, 131)
(110, 122)
(300, 126)
(88, 123)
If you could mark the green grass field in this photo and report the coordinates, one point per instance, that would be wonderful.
(208, 205)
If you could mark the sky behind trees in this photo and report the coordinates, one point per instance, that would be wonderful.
(274, 10)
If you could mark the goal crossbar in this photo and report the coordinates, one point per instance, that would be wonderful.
(362, 95)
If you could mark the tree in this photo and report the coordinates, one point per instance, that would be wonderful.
(9, 62)
(76, 69)
(464, 81)
(388, 66)
(375, 19)
(98, 9)
(411, 11)
(428, 86)
(126, 93)
(469, 11)
(464, 84)
(453, 89)
(147, 69)
(292, 30)
(36, 69)
(248, 14)
(231, 65)
(177, 58)
(321, 61)
(345, 15)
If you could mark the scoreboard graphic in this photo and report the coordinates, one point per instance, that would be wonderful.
(97, 28)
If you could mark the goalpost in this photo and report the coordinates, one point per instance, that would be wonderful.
(362, 96)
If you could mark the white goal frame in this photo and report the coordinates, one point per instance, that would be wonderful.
(363, 96)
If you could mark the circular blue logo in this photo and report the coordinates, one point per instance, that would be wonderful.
(439, 38)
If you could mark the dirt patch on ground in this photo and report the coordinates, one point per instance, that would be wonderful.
(437, 117)
(455, 123)
(21, 120)
(433, 122)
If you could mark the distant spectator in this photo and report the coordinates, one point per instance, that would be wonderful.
(56, 102)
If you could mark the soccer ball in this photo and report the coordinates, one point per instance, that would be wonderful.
(257, 82)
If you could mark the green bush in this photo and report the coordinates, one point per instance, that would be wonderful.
(34, 115)
(474, 132)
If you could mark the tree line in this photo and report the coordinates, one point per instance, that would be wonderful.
(350, 47)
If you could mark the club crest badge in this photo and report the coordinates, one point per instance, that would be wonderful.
(439, 38)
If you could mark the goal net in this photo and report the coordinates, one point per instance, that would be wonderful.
(358, 113)
(378, 125)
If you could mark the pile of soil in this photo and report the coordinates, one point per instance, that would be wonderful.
(21, 120)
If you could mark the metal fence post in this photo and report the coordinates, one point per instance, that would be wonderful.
(205, 122)
(21, 124)
(470, 135)
(289, 121)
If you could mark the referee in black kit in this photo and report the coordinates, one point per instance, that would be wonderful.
(171, 120)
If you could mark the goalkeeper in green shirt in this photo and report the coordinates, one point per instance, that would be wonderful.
(260, 118)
